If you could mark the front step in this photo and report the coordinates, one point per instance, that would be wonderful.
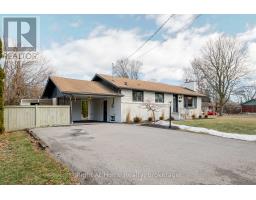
(177, 116)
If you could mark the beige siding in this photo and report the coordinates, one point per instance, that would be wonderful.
(22, 117)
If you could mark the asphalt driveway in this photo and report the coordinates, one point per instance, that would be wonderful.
(102, 153)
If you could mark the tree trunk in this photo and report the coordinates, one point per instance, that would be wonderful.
(221, 111)
(154, 119)
(221, 105)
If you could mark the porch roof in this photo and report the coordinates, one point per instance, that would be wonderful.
(81, 87)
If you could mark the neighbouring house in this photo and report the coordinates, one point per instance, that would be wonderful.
(232, 107)
(249, 106)
(115, 99)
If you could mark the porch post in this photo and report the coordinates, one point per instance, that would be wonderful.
(170, 115)
(70, 103)
(89, 107)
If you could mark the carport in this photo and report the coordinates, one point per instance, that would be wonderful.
(100, 108)
(103, 103)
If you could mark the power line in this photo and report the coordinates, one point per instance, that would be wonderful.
(183, 28)
(159, 28)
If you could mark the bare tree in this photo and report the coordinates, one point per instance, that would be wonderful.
(127, 68)
(24, 78)
(222, 64)
(194, 75)
(246, 92)
(151, 107)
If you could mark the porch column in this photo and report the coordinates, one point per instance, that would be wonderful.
(89, 108)
(70, 104)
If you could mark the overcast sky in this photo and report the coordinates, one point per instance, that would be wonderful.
(79, 46)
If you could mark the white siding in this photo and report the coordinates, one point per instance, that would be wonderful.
(113, 109)
(96, 109)
(185, 113)
(76, 110)
(138, 108)
(124, 105)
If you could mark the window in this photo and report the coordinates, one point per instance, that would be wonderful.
(159, 97)
(190, 102)
(137, 96)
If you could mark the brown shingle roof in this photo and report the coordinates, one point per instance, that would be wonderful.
(67, 85)
(126, 83)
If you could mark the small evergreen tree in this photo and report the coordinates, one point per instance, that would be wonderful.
(85, 108)
(1, 91)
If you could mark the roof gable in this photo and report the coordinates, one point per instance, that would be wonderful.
(125, 83)
(83, 87)
(50, 90)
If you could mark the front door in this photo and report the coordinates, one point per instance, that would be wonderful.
(175, 103)
(105, 110)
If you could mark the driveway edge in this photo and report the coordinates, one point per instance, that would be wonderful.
(41, 143)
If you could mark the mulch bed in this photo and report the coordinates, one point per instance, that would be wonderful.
(160, 126)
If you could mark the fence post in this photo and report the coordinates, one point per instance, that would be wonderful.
(36, 117)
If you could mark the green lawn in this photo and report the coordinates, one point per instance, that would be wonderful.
(231, 124)
(22, 162)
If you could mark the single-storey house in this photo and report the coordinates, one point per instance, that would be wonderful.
(249, 106)
(115, 99)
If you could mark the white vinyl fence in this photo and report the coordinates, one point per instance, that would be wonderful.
(22, 117)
